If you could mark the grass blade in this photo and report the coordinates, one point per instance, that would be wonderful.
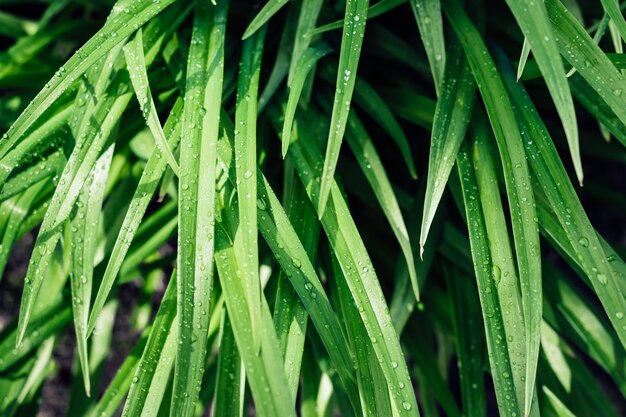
(305, 64)
(568, 209)
(517, 180)
(492, 315)
(152, 374)
(84, 236)
(269, 9)
(357, 267)
(196, 214)
(428, 16)
(452, 114)
(230, 386)
(532, 18)
(351, 42)
(246, 238)
(309, 12)
(144, 192)
(133, 52)
(371, 165)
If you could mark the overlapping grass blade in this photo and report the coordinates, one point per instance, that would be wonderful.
(452, 115)
(373, 389)
(135, 62)
(483, 266)
(351, 42)
(264, 370)
(304, 65)
(246, 238)
(94, 129)
(518, 185)
(230, 385)
(430, 24)
(362, 281)
(532, 19)
(371, 165)
(309, 12)
(84, 235)
(503, 267)
(196, 214)
(290, 315)
(469, 337)
(148, 183)
(563, 200)
(125, 17)
(152, 373)
(292, 256)
(590, 62)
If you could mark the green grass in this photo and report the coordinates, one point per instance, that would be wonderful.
(179, 212)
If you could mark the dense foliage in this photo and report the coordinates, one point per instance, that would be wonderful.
(176, 174)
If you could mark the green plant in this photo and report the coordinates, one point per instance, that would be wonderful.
(158, 151)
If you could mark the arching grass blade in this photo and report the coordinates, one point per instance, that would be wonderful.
(351, 42)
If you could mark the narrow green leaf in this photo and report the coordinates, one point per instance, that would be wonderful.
(196, 214)
(371, 165)
(306, 62)
(134, 54)
(84, 236)
(492, 315)
(532, 18)
(230, 385)
(523, 59)
(245, 148)
(351, 42)
(309, 12)
(152, 373)
(152, 173)
(568, 209)
(430, 24)
(452, 114)
(269, 9)
(517, 180)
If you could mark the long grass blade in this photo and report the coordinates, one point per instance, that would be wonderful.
(568, 209)
(196, 214)
(83, 246)
(517, 180)
(532, 18)
(483, 266)
(452, 115)
(371, 165)
(246, 238)
(351, 42)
